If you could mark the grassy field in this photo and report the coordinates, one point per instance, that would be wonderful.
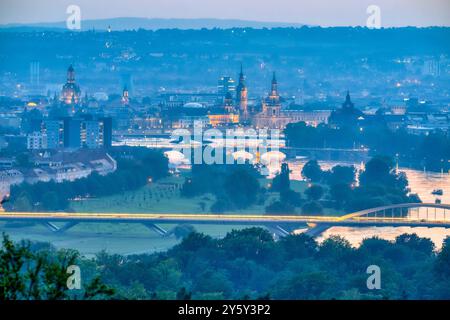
(163, 197)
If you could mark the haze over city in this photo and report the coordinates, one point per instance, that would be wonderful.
(320, 12)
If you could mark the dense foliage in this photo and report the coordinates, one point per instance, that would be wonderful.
(39, 272)
(249, 264)
(235, 186)
(378, 184)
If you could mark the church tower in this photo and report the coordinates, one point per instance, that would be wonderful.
(70, 74)
(70, 94)
(348, 104)
(125, 97)
(271, 105)
(242, 95)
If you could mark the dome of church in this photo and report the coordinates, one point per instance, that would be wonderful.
(193, 105)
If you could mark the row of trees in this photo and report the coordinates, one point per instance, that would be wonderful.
(133, 172)
(249, 264)
(432, 150)
(379, 184)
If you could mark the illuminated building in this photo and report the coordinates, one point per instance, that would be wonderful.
(70, 94)
(224, 86)
(228, 103)
(223, 119)
(271, 105)
(270, 116)
(274, 117)
(125, 97)
(226, 114)
(242, 96)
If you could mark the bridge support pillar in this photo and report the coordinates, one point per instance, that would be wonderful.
(317, 229)
(162, 232)
(67, 226)
(278, 230)
(51, 226)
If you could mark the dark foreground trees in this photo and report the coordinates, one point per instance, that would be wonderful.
(28, 273)
(246, 263)
(249, 263)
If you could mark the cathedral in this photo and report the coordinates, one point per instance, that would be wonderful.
(70, 94)
(271, 115)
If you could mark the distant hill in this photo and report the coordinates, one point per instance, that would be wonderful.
(118, 24)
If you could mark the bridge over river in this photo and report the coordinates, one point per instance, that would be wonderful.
(406, 214)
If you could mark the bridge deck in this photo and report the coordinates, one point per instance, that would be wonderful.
(355, 219)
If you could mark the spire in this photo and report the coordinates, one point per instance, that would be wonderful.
(241, 79)
(274, 89)
(125, 96)
(348, 102)
(71, 74)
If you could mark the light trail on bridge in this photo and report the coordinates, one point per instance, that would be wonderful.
(321, 223)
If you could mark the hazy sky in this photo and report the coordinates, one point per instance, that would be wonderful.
(316, 12)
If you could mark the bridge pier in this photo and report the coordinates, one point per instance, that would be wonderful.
(162, 232)
(67, 226)
(316, 230)
(278, 230)
(54, 228)
(51, 226)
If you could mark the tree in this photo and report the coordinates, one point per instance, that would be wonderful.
(23, 203)
(281, 182)
(297, 246)
(183, 294)
(335, 247)
(281, 208)
(241, 188)
(183, 230)
(312, 171)
(443, 260)
(291, 197)
(380, 171)
(314, 193)
(221, 205)
(214, 281)
(341, 193)
(29, 275)
(50, 201)
(252, 243)
(308, 285)
(344, 175)
(423, 245)
(312, 207)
